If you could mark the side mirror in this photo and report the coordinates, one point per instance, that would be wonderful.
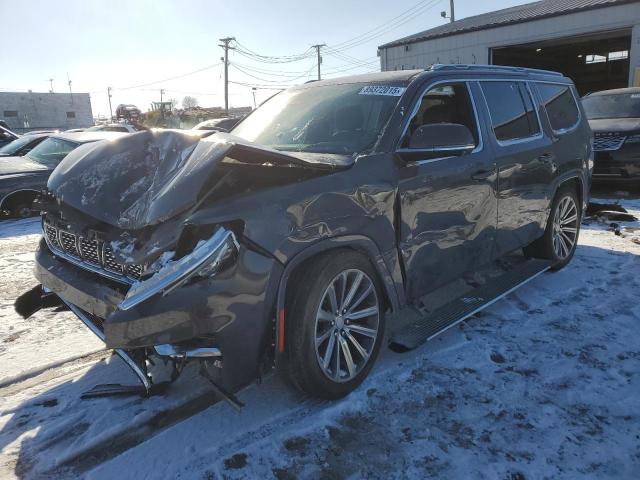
(442, 137)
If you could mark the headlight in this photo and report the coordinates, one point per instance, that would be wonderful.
(633, 139)
(207, 259)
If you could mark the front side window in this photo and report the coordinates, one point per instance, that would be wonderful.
(50, 152)
(560, 105)
(444, 103)
(513, 115)
(339, 119)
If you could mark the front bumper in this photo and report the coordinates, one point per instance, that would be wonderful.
(230, 312)
(622, 163)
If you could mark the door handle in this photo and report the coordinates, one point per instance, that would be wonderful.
(481, 175)
(545, 158)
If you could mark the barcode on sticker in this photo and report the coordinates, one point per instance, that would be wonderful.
(382, 90)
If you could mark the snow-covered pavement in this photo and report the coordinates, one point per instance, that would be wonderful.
(543, 384)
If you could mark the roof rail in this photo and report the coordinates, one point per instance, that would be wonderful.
(495, 68)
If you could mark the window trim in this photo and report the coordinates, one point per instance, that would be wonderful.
(415, 109)
(570, 129)
(514, 141)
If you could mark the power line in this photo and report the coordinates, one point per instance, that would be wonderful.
(170, 78)
(386, 27)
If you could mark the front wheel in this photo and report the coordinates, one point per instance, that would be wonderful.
(560, 238)
(336, 325)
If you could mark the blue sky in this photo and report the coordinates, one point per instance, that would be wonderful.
(130, 43)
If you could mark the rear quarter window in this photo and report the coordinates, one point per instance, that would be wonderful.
(560, 105)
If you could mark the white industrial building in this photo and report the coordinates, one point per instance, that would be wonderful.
(595, 42)
(26, 111)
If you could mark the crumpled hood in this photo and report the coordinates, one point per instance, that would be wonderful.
(148, 177)
(615, 125)
(19, 165)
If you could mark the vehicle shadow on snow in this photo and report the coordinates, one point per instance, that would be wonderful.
(462, 411)
(64, 434)
(17, 228)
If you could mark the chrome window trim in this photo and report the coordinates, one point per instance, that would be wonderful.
(414, 111)
(562, 131)
(515, 141)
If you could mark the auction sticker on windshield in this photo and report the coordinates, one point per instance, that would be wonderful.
(382, 90)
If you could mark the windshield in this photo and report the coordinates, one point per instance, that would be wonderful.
(343, 119)
(622, 105)
(16, 145)
(50, 152)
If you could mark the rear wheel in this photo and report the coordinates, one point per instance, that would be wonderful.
(561, 234)
(336, 325)
(21, 210)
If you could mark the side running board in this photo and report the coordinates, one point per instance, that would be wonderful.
(429, 324)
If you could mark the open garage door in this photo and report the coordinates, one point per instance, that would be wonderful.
(594, 62)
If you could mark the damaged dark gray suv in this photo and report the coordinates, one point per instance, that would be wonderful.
(338, 214)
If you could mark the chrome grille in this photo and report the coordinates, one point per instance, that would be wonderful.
(52, 235)
(91, 254)
(605, 142)
(110, 261)
(88, 250)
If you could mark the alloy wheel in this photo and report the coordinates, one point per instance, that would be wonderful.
(347, 324)
(565, 227)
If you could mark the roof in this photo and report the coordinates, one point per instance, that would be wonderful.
(86, 137)
(616, 91)
(390, 76)
(507, 16)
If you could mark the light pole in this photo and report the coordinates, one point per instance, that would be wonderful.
(110, 110)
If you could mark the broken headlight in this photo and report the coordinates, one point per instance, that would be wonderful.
(207, 258)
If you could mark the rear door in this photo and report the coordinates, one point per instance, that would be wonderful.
(447, 197)
(525, 159)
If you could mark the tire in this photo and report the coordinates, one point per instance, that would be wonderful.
(312, 369)
(562, 231)
(21, 210)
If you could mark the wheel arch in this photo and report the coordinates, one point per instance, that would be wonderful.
(18, 195)
(359, 243)
(580, 184)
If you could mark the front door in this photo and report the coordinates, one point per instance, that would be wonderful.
(447, 197)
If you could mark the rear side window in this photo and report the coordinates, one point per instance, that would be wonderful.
(560, 104)
(512, 112)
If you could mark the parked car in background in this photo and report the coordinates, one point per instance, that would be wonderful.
(23, 178)
(332, 205)
(6, 136)
(614, 117)
(117, 127)
(225, 124)
(23, 145)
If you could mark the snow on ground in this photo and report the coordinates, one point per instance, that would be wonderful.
(543, 384)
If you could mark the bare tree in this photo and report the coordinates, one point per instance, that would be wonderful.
(189, 102)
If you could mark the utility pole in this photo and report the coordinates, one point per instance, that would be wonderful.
(253, 90)
(51, 85)
(225, 45)
(110, 111)
(161, 104)
(453, 13)
(70, 91)
(318, 47)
